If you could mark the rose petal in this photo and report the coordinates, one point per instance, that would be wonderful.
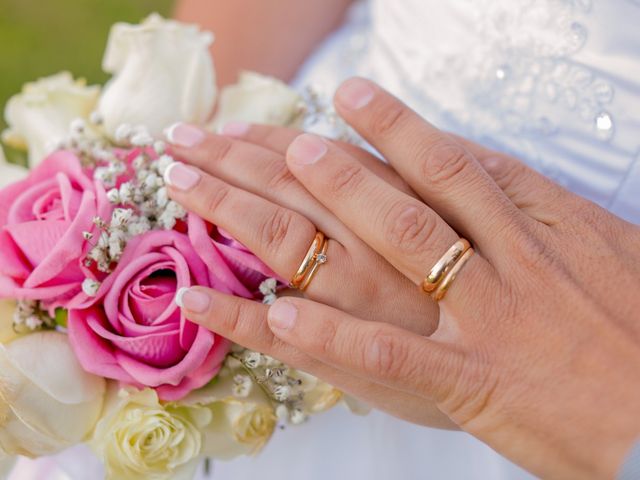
(94, 353)
(153, 377)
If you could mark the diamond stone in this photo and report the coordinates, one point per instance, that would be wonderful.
(321, 258)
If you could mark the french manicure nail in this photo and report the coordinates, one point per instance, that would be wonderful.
(235, 129)
(282, 315)
(192, 300)
(180, 176)
(307, 149)
(184, 135)
(354, 94)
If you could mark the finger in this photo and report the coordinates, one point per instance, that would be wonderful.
(274, 138)
(377, 352)
(438, 168)
(278, 140)
(530, 191)
(245, 323)
(279, 236)
(402, 229)
(251, 168)
(282, 237)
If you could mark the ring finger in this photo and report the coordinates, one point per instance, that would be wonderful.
(404, 230)
(281, 237)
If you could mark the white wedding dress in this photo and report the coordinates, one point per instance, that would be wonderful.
(556, 83)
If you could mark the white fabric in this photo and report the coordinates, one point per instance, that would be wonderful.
(557, 83)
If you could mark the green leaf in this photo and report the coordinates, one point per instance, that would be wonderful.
(61, 317)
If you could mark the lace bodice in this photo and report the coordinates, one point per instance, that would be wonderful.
(555, 82)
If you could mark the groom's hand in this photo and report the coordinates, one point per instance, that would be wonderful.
(538, 349)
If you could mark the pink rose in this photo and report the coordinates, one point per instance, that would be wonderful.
(242, 272)
(42, 220)
(136, 333)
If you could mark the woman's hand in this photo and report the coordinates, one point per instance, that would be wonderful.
(538, 348)
(254, 197)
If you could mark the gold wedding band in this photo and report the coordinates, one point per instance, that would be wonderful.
(441, 291)
(445, 265)
(316, 256)
(319, 260)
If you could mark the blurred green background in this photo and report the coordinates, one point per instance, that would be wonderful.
(41, 37)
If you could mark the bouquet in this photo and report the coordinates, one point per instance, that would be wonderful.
(93, 348)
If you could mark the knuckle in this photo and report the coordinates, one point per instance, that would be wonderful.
(387, 119)
(507, 176)
(232, 321)
(533, 251)
(443, 162)
(279, 177)
(385, 356)
(347, 179)
(409, 228)
(218, 148)
(276, 227)
(325, 341)
(216, 197)
(474, 392)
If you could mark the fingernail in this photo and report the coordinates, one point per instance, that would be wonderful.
(192, 300)
(235, 129)
(307, 149)
(354, 94)
(180, 176)
(184, 135)
(282, 315)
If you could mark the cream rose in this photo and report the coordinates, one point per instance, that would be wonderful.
(47, 401)
(138, 437)
(258, 99)
(40, 116)
(6, 465)
(7, 333)
(321, 397)
(240, 426)
(162, 74)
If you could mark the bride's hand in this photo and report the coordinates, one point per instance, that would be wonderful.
(537, 352)
(247, 190)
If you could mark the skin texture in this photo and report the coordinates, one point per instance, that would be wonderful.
(537, 344)
(258, 35)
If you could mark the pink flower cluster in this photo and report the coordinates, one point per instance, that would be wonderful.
(131, 330)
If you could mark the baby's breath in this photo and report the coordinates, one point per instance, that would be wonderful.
(29, 316)
(276, 379)
(141, 203)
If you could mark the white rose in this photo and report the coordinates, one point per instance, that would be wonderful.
(47, 401)
(138, 437)
(163, 73)
(40, 116)
(258, 99)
